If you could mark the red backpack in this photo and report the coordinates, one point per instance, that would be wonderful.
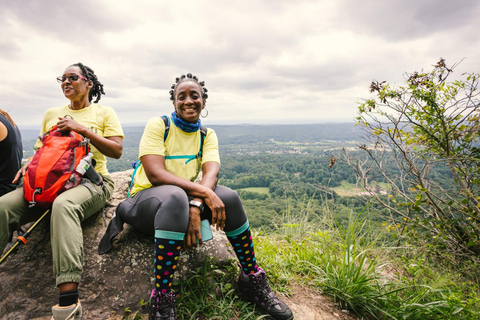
(52, 165)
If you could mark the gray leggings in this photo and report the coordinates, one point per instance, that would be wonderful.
(166, 208)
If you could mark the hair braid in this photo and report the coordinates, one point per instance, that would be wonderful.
(97, 89)
(188, 77)
(6, 115)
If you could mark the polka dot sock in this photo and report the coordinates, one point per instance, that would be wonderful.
(241, 241)
(166, 257)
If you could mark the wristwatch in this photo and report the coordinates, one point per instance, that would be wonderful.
(197, 204)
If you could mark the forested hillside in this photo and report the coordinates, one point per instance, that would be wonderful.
(274, 167)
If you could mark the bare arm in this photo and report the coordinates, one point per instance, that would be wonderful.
(21, 171)
(3, 131)
(209, 179)
(109, 146)
(154, 166)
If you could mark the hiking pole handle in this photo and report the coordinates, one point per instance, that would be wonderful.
(23, 237)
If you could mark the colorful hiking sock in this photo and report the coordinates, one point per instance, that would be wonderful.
(241, 241)
(167, 249)
(67, 298)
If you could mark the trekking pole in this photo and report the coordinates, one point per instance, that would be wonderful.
(23, 237)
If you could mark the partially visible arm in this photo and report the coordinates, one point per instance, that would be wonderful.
(209, 179)
(154, 166)
(21, 171)
(109, 146)
(3, 131)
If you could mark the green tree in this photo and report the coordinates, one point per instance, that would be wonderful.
(428, 122)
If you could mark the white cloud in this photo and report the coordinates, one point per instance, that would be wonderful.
(262, 61)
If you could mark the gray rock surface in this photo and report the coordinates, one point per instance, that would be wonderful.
(114, 281)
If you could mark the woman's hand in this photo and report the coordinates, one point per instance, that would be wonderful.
(218, 209)
(21, 172)
(209, 180)
(109, 146)
(68, 124)
(193, 232)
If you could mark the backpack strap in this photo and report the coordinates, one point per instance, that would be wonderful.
(166, 120)
(203, 134)
(135, 166)
(137, 163)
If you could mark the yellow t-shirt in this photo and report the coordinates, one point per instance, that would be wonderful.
(101, 120)
(179, 143)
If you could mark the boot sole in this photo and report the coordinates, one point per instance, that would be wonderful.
(247, 299)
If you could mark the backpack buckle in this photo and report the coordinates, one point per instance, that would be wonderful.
(32, 203)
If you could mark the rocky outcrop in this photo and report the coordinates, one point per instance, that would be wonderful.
(114, 281)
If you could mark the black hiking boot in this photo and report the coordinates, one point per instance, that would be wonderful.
(255, 288)
(162, 307)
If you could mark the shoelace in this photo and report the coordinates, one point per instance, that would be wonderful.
(165, 301)
(262, 288)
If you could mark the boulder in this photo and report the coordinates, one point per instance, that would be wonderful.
(110, 282)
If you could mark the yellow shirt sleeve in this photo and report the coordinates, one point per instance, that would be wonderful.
(152, 138)
(210, 148)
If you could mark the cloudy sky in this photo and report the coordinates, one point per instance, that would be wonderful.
(262, 61)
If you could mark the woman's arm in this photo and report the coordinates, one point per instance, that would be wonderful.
(210, 172)
(3, 131)
(154, 166)
(21, 172)
(109, 146)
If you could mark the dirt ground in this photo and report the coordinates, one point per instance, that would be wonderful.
(306, 303)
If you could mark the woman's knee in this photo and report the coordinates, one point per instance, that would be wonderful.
(177, 200)
(65, 210)
(230, 198)
(173, 213)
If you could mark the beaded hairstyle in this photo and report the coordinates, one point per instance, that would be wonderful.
(97, 89)
(188, 77)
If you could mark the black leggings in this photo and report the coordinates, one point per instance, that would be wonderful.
(166, 208)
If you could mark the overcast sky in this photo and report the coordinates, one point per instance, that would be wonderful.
(269, 61)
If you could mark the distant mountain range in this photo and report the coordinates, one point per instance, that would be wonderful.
(245, 134)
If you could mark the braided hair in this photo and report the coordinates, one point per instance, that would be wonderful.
(97, 89)
(6, 115)
(188, 77)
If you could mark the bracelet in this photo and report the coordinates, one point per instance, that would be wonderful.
(197, 204)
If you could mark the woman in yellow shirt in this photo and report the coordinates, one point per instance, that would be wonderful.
(101, 126)
(168, 204)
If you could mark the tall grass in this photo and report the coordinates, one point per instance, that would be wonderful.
(354, 261)
(360, 269)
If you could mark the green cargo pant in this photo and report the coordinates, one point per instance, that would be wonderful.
(68, 211)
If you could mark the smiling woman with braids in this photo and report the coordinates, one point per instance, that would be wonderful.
(101, 126)
(169, 205)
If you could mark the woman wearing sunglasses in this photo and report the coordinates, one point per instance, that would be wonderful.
(101, 126)
(170, 206)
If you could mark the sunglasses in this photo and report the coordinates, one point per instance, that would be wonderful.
(73, 78)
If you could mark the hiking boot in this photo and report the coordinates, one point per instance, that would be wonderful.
(162, 306)
(72, 312)
(255, 288)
